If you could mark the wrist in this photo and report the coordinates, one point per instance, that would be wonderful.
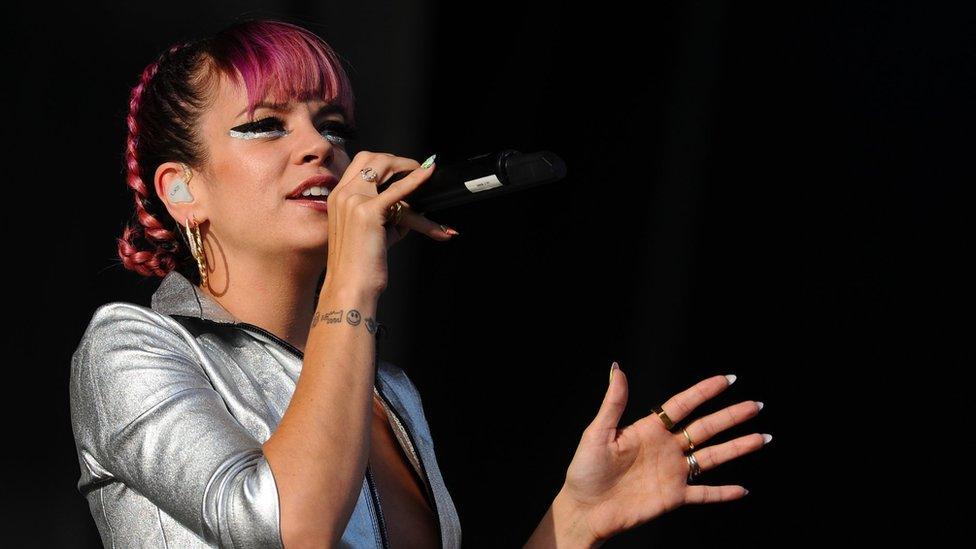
(348, 305)
(576, 527)
(349, 294)
(563, 526)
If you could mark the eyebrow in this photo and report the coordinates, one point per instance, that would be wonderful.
(330, 108)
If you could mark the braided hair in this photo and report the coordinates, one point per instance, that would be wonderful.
(172, 93)
(149, 244)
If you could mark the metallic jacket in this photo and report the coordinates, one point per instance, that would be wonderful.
(170, 405)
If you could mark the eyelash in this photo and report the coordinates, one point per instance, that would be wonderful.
(346, 133)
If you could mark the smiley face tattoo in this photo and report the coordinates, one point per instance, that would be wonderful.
(353, 318)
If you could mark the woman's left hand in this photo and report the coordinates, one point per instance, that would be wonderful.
(622, 478)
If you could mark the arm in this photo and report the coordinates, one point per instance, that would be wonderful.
(143, 408)
(562, 527)
(320, 448)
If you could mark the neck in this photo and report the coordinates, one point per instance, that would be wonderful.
(277, 296)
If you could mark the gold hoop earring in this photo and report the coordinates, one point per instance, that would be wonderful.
(196, 248)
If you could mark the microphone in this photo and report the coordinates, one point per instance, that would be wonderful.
(479, 177)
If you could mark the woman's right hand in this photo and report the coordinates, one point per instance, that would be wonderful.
(359, 234)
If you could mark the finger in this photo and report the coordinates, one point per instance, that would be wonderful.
(682, 404)
(383, 166)
(398, 232)
(400, 189)
(700, 493)
(706, 427)
(613, 406)
(415, 221)
(394, 234)
(713, 456)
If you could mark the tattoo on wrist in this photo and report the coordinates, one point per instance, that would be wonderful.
(352, 317)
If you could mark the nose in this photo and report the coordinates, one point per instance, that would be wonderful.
(313, 146)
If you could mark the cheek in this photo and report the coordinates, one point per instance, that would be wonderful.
(341, 164)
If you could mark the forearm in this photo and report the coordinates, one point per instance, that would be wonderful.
(320, 449)
(563, 527)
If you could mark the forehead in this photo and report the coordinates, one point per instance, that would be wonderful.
(232, 100)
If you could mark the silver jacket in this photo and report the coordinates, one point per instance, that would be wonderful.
(170, 405)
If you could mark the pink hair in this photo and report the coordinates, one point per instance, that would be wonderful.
(285, 60)
(275, 57)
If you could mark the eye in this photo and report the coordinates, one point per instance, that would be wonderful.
(341, 133)
(265, 127)
(335, 131)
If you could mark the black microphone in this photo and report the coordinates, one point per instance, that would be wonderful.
(480, 177)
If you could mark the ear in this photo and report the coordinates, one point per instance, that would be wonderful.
(172, 182)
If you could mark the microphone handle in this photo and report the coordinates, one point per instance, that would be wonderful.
(480, 177)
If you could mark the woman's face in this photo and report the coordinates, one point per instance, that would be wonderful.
(253, 167)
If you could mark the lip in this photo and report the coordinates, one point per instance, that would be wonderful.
(326, 180)
(319, 205)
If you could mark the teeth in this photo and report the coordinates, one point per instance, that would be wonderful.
(316, 191)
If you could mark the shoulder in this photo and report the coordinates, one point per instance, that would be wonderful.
(121, 334)
(121, 317)
(121, 311)
(130, 359)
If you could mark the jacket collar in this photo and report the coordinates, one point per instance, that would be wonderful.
(176, 295)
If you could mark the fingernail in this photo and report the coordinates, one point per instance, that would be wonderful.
(613, 367)
(430, 160)
(731, 378)
(767, 437)
(747, 491)
(760, 404)
(449, 230)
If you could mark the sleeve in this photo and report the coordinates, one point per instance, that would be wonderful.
(156, 423)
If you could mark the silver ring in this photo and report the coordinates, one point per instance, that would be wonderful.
(695, 469)
(369, 174)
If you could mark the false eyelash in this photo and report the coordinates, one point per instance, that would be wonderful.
(253, 130)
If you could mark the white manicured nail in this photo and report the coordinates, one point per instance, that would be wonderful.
(767, 437)
(731, 378)
(760, 404)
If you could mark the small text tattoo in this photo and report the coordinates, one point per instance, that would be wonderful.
(353, 318)
(333, 317)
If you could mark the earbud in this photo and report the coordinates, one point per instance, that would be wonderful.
(179, 191)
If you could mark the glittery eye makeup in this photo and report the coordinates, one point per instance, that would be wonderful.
(337, 132)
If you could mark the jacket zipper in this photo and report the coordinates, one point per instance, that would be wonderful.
(430, 490)
(384, 536)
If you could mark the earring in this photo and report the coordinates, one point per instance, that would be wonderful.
(179, 191)
(196, 248)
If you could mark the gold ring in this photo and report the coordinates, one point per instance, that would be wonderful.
(668, 424)
(395, 213)
(691, 445)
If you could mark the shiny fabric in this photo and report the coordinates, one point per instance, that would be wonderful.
(170, 405)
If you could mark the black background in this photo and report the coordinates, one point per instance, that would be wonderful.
(753, 188)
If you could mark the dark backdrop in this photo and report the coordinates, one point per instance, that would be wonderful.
(764, 190)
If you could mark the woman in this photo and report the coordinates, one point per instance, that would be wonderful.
(246, 407)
